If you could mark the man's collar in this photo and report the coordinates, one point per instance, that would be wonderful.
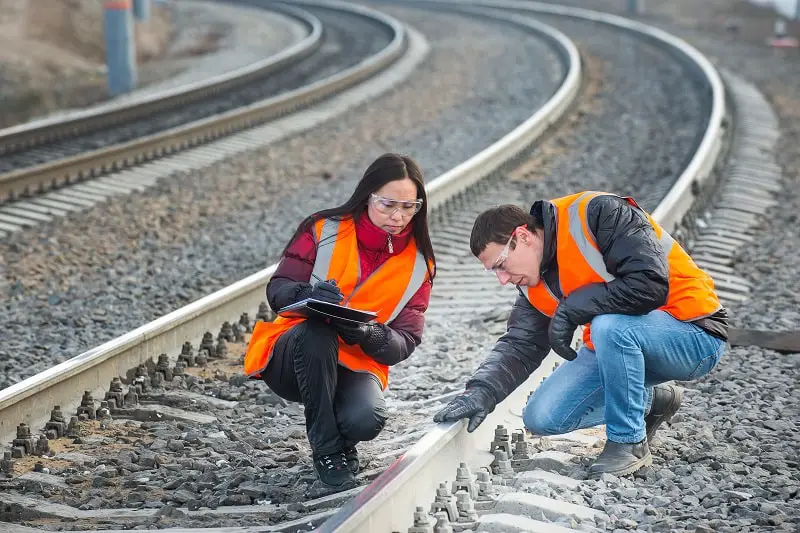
(545, 212)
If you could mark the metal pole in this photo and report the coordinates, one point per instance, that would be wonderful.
(633, 6)
(120, 46)
(141, 10)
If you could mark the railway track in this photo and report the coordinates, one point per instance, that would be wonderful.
(346, 45)
(169, 412)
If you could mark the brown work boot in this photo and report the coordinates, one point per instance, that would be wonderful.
(666, 402)
(621, 459)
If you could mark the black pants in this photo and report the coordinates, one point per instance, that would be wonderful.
(342, 407)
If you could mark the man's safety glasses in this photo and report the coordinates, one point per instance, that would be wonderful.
(499, 263)
(387, 206)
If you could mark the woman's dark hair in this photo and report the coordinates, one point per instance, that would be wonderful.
(496, 225)
(388, 167)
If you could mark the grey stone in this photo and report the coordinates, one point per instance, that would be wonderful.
(253, 489)
(182, 496)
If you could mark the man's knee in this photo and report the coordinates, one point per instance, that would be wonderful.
(538, 418)
(608, 328)
(363, 421)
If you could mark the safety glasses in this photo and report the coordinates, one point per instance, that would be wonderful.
(499, 263)
(388, 206)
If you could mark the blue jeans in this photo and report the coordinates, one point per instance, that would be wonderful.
(613, 385)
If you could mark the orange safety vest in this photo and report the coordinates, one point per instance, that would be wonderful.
(386, 291)
(691, 290)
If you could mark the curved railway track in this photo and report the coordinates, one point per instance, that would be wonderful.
(346, 45)
(175, 400)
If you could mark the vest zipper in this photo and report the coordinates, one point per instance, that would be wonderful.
(358, 283)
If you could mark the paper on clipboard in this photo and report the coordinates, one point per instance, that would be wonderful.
(311, 307)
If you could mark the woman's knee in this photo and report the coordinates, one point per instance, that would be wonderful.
(315, 337)
(363, 421)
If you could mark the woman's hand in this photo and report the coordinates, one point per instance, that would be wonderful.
(327, 291)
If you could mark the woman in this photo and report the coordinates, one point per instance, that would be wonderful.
(373, 253)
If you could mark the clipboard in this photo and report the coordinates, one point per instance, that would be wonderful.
(317, 308)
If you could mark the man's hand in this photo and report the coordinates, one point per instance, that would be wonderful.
(474, 403)
(560, 333)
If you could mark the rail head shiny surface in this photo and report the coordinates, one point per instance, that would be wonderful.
(435, 453)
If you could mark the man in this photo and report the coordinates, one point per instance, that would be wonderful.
(650, 315)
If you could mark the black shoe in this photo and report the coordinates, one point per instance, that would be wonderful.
(666, 402)
(332, 471)
(621, 459)
(351, 456)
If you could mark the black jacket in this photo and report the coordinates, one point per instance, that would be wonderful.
(632, 254)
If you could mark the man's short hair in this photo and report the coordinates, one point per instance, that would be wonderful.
(496, 224)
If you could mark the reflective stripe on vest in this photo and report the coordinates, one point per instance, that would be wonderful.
(386, 291)
(691, 290)
(325, 243)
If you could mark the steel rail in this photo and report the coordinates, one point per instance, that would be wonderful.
(89, 164)
(388, 503)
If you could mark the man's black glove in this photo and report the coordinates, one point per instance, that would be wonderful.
(474, 403)
(560, 332)
(327, 291)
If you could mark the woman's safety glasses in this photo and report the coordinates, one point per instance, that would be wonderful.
(387, 206)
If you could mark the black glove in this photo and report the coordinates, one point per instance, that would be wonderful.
(350, 332)
(474, 403)
(327, 291)
(560, 333)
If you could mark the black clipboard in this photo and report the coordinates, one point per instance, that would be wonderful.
(311, 307)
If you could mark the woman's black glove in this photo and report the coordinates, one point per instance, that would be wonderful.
(371, 337)
(327, 291)
(350, 332)
(474, 403)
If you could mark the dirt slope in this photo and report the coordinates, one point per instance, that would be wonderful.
(52, 54)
